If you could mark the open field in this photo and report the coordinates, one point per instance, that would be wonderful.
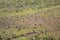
(43, 21)
(40, 22)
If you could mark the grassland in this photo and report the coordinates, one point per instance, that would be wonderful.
(30, 20)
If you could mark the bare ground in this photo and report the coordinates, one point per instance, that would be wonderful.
(51, 24)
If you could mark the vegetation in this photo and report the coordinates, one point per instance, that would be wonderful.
(24, 34)
(29, 19)
(20, 5)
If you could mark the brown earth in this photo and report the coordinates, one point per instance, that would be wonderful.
(52, 25)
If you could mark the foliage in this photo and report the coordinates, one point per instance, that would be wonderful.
(20, 5)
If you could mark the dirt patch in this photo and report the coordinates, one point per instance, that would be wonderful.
(50, 24)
